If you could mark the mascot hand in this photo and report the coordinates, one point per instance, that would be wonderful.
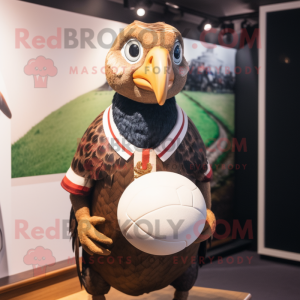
(209, 228)
(90, 237)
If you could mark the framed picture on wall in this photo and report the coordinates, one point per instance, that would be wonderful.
(60, 90)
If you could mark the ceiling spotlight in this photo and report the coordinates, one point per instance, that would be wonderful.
(140, 12)
(227, 30)
(227, 27)
(142, 6)
(207, 27)
(172, 5)
(245, 24)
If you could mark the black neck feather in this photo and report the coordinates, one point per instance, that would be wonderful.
(144, 125)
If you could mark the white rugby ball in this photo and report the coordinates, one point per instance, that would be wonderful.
(161, 213)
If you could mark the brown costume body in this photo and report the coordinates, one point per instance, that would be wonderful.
(128, 269)
(133, 74)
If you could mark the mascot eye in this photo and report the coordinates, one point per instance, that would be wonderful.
(177, 53)
(132, 51)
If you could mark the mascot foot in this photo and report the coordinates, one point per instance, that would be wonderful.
(181, 295)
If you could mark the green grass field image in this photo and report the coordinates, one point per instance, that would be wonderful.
(220, 105)
(48, 148)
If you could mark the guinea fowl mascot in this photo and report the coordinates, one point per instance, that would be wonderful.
(143, 131)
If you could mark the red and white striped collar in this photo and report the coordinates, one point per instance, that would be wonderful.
(163, 151)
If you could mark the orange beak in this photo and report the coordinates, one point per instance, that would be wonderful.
(4, 107)
(156, 74)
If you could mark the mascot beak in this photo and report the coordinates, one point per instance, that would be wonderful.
(4, 107)
(156, 74)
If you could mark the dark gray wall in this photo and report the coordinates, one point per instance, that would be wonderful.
(282, 204)
(246, 120)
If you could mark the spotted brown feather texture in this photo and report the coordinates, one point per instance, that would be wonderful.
(97, 160)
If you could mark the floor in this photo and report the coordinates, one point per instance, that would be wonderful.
(197, 293)
(247, 272)
(243, 272)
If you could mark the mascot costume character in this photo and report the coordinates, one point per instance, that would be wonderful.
(143, 131)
